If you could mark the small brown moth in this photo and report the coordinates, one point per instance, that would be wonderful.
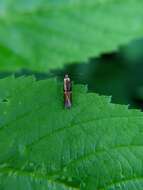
(67, 92)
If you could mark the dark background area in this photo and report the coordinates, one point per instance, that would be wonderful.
(117, 74)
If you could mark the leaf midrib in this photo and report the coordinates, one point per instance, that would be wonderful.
(122, 182)
(34, 175)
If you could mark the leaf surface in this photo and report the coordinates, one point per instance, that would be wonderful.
(43, 35)
(96, 145)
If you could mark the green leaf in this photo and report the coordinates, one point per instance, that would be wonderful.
(43, 35)
(96, 145)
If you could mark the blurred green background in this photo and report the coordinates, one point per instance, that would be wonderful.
(118, 74)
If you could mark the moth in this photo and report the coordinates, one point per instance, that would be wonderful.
(67, 92)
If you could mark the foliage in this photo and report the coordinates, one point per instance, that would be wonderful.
(95, 145)
(42, 35)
